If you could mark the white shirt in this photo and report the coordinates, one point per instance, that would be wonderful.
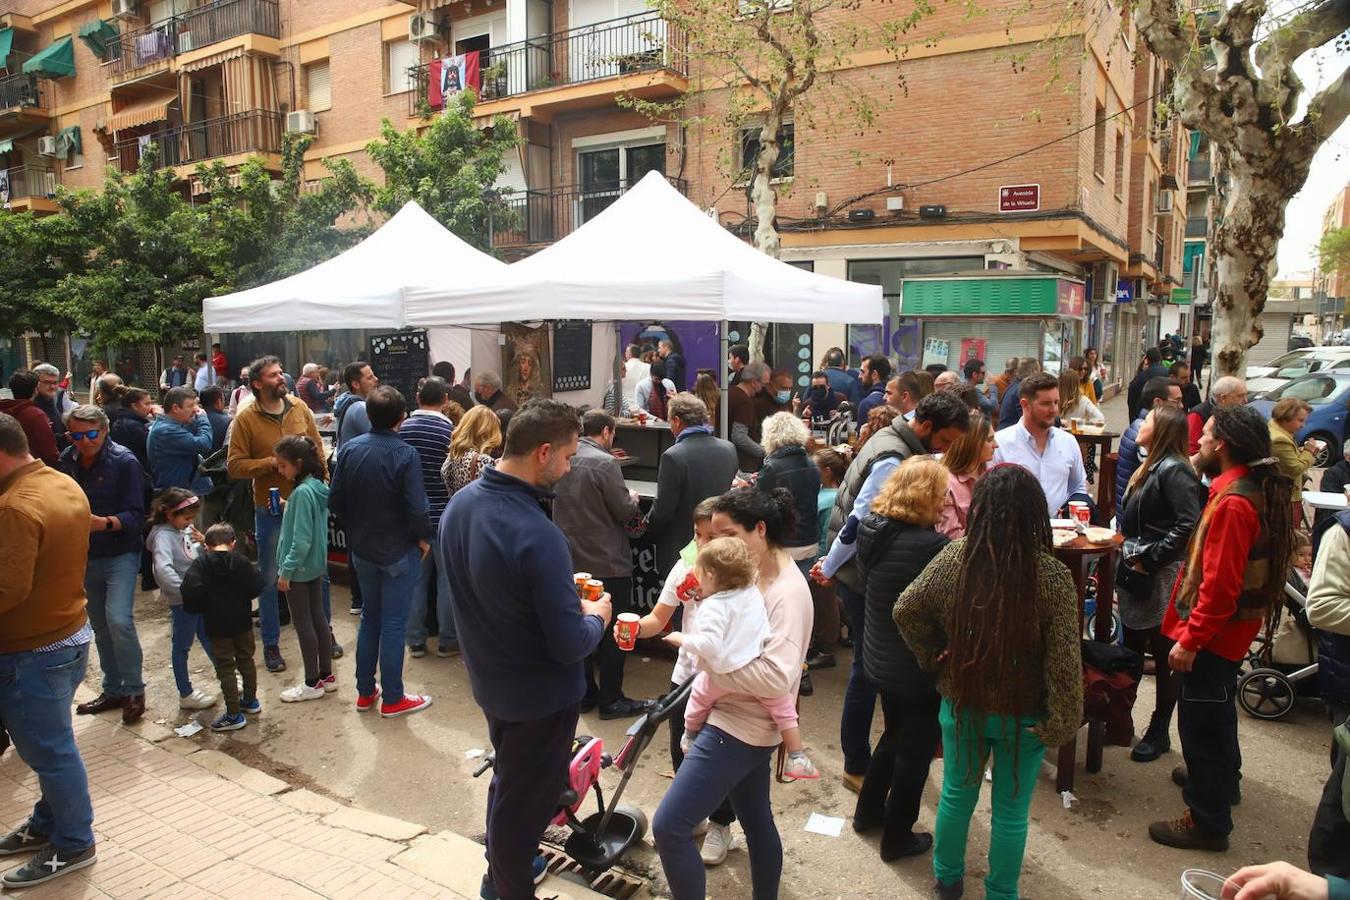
(643, 395)
(635, 372)
(1059, 469)
(204, 377)
(684, 663)
(1086, 410)
(731, 630)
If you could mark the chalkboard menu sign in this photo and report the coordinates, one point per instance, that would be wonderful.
(401, 360)
(571, 355)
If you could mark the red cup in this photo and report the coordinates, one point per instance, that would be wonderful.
(626, 630)
(1080, 511)
(595, 589)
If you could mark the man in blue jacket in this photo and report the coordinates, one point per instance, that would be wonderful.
(1156, 392)
(177, 442)
(523, 632)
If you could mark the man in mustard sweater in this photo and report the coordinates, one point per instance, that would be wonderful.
(44, 648)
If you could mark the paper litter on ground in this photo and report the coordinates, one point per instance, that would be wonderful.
(474, 753)
(1068, 798)
(830, 826)
(189, 729)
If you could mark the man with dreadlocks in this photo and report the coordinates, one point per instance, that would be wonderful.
(1233, 575)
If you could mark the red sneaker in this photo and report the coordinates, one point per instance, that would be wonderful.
(410, 703)
(366, 701)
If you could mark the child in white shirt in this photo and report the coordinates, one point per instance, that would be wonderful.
(730, 631)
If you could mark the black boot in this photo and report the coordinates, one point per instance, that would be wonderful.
(1153, 744)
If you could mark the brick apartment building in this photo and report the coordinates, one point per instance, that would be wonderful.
(1336, 284)
(1021, 186)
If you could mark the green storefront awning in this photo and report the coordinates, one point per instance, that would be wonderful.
(6, 45)
(981, 297)
(97, 35)
(54, 61)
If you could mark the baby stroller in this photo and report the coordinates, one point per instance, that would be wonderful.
(1268, 690)
(598, 841)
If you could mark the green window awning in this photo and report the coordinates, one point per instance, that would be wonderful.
(98, 35)
(6, 146)
(1195, 145)
(6, 45)
(980, 297)
(54, 61)
(68, 141)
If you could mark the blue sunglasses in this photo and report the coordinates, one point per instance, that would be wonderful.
(85, 435)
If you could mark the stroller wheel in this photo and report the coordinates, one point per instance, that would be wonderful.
(1265, 694)
(1090, 627)
(639, 818)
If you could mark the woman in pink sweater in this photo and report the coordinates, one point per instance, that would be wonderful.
(731, 755)
(966, 460)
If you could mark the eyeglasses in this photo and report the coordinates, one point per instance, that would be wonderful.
(91, 435)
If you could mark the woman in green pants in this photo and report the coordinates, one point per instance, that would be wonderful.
(996, 616)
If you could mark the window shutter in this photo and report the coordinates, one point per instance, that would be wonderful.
(320, 86)
(402, 57)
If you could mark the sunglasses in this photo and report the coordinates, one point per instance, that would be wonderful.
(85, 435)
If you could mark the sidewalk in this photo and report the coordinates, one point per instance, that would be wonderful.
(173, 820)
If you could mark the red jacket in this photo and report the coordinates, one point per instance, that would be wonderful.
(35, 424)
(1211, 625)
(220, 364)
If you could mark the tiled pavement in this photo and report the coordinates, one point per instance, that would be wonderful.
(175, 821)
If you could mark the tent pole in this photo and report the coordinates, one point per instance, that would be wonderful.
(618, 369)
(723, 413)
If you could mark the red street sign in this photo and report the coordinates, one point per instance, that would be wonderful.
(1019, 198)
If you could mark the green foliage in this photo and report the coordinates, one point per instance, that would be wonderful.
(450, 169)
(1333, 251)
(37, 253)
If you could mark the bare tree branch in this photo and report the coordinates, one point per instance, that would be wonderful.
(1304, 32)
(1327, 110)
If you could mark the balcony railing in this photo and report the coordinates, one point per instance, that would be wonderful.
(22, 91)
(160, 41)
(27, 182)
(1199, 171)
(545, 216)
(1197, 227)
(642, 42)
(256, 131)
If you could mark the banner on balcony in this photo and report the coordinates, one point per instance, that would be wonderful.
(450, 75)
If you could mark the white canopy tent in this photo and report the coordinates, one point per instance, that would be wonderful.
(651, 254)
(362, 287)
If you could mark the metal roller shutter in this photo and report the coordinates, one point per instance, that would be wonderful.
(1275, 341)
(1004, 338)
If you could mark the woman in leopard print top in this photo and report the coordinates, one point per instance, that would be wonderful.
(477, 435)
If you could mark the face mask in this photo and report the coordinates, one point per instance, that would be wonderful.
(783, 396)
(818, 393)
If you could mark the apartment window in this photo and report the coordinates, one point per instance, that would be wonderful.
(401, 56)
(786, 163)
(607, 172)
(1099, 142)
(319, 85)
(1120, 164)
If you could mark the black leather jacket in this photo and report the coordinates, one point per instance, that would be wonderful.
(1161, 512)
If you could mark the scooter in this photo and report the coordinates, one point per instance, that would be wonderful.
(602, 838)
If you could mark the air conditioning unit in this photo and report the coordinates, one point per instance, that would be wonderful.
(1104, 278)
(422, 29)
(125, 9)
(300, 120)
(47, 146)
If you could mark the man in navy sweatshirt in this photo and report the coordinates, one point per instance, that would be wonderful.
(523, 632)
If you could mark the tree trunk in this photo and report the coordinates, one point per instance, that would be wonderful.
(1245, 244)
(764, 197)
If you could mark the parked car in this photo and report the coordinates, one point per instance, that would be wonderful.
(1296, 364)
(1299, 341)
(1328, 393)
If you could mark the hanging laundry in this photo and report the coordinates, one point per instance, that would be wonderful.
(142, 145)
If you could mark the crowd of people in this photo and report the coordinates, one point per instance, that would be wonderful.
(466, 515)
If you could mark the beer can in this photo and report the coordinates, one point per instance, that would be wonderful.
(274, 501)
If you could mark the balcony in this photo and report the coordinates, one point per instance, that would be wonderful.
(256, 131)
(632, 45)
(30, 187)
(151, 48)
(542, 217)
(1199, 171)
(1197, 227)
(23, 101)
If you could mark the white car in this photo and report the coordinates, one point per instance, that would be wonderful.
(1296, 364)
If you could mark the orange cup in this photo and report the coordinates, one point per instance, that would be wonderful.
(595, 589)
(580, 578)
(627, 626)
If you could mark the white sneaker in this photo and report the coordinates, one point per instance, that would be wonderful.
(701, 828)
(197, 700)
(300, 693)
(716, 843)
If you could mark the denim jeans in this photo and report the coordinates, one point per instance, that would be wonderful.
(266, 531)
(185, 627)
(386, 594)
(431, 569)
(718, 766)
(860, 695)
(110, 585)
(36, 690)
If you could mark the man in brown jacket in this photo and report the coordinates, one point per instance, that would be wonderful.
(254, 433)
(44, 648)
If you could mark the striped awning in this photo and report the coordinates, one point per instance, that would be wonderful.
(215, 59)
(143, 112)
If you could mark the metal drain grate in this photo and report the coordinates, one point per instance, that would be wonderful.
(612, 883)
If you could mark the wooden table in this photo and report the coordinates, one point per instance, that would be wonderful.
(1106, 468)
(1076, 556)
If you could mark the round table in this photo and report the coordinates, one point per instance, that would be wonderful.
(1076, 555)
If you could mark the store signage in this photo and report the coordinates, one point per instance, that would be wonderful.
(1070, 298)
(1123, 292)
(1180, 296)
(935, 351)
(1019, 198)
(971, 348)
